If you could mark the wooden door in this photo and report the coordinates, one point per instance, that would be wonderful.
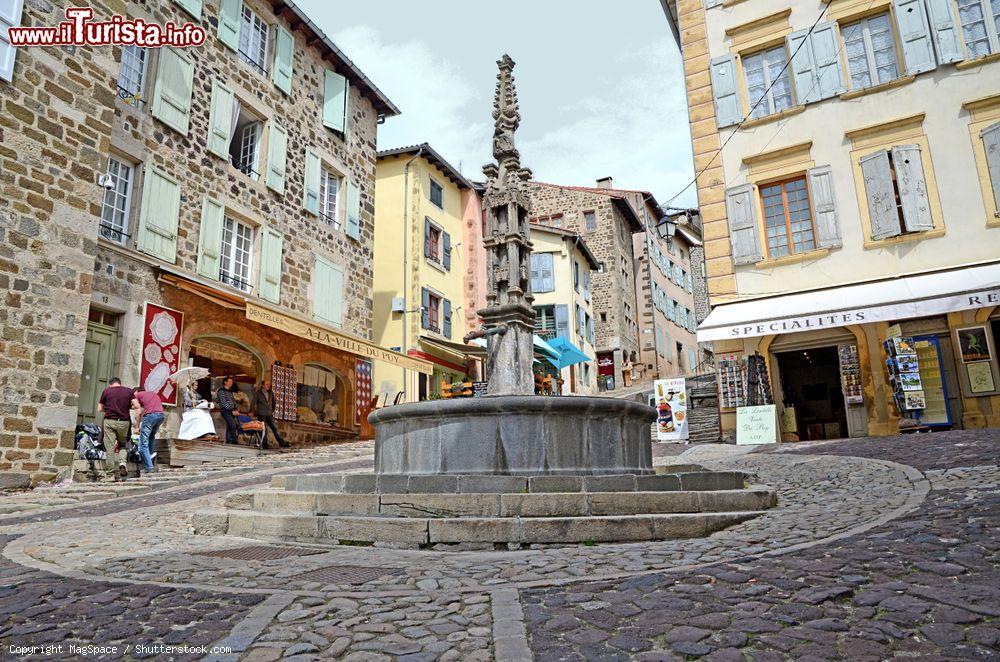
(98, 359)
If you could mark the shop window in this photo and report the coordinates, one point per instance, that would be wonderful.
(329, 197)
(788, 218)
(223, 357)
(117, 202)
(980, 26)
(319, 395)
(436, 194)
(236, 256)
(871, 51)
(769, 87)
(132, 75)
(254, 34)
(244, 147)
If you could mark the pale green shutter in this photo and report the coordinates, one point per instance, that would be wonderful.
(353, 210)
(159, 214)
(220, 120)
(725, 92)
(824, 207)
(10, 17)
(915, 35)
(284, 54)
(310, 190)
(229, 23)
(328, 292)
(192, 7)
(277, 155)
(912, 188)
(335, 101)
(991, 145)
(741, 210)
(172, 91)
(213, 214)
(270, 265)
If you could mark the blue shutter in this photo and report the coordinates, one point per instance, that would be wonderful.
(826, 56)
(824, 207)
(991, 145)
(192, 7)
(562, 321)
(803, 67)
(547, 273)
(941, 17)
(10, 17)
(741, 210)
(335, 91)
(427, 237)
(725, 91)
(425, 304)
(328, 292)
(912, 188)
(881, 195)
(446, 239)
(447, 318)
(534, 261)
(915, 35)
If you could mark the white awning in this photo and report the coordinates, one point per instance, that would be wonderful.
(878, 301)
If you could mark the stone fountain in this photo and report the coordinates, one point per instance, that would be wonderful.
(509, 468)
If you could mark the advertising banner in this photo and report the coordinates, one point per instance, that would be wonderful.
(670, 400)
(160, 357)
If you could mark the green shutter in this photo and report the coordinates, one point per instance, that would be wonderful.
(328, 292)
(229, 23)
(353, 210)
(172, 91)
(284, 53)
(213, 214)
(310, 190)
(159, 213)
(220, 120)
(192, 7)
(277, 153)
(270, 265)
(335, 101)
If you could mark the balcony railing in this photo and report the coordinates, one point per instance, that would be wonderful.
(233, 280)
(249, 59)
(247, 168)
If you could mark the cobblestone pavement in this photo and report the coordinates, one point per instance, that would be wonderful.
(861, 559)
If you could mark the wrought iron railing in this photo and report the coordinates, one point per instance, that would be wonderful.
(332, 220)
(247, 168)
(233, 280)
(249, 59)
(112, 233)
(130, 97)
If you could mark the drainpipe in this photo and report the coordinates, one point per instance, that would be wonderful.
(406, 256)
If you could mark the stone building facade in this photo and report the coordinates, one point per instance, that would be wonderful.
(203, 180)
(606, 220)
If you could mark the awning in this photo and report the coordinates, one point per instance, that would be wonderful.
(457, 348)
(898, 298)
(540, 347)
(569, 354)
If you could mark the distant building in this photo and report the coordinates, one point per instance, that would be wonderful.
(562, 268)
(473, 229)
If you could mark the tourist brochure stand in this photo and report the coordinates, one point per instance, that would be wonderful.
(732, 381)
(904, 375)
(850, 374)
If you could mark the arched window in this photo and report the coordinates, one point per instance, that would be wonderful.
(225, 356)
(321, 395)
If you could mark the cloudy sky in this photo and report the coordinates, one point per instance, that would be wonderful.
(601, 89)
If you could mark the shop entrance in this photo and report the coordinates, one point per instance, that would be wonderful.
(812, 393)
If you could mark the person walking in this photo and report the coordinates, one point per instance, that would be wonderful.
(227, 407)
(150, 409)
(262, 407)
(115, 402)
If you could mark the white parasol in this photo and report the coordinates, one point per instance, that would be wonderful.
(185, 376)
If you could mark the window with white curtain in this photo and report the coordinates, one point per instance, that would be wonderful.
(768, 81)
(329, 196)
(236, 254)
(253, 40)
(132, 75)
(980, 26)
(871, 51)
(117, 202)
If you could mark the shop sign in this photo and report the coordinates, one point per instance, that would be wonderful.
(606, 364)
(330, 338)
(160, 356)
(671, 409)
(756, 425)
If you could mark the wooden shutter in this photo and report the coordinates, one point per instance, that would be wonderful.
(826, 56)
(213, 215)
(586, 283)
(335, 91)
(353, 210)
(192, 7)
(991, 145)
(311, 186)
(220, 120)
(271, 260)
(446, 242)
(725, 91)
(159, 214)
(803, 66)
(328, 292)
(229, 23)
(941, 18)
(548, 278)
(881, 196)
(535, 267)
(912, 188)
(284, 55)
(915, 35)
(425, 308)
(446, 304)
(562, 320)
(741, 209)
(277, 156)
(10, 17)
(172, 90)
(824, 207)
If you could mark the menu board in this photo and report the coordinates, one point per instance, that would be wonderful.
(479, 389)
(732, 381)
(850, 374)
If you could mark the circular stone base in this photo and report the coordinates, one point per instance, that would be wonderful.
(514, 435)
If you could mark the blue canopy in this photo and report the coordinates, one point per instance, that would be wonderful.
(568, 353)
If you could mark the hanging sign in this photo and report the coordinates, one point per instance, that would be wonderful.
(670, 396)
(756, 425)
(160, 356)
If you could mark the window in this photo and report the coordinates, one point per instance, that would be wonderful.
(586, 284)
(554, 221)
(581, 323)
(767, 81)
(871, 51)
(253, 40)
(437, 194)
(434, 243)
(237, 254)
(329, 196)
(318, 395)
(437, 245)
(787, 217)
(586, 374)
(545, 322)
(590, 221)
(433, 312)
(542, 277)
(244, 147)
(576, 275)
(117, 202)
(981, 26)
(132, 75)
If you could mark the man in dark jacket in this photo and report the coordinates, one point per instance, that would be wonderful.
(262, 406)
(227, 407)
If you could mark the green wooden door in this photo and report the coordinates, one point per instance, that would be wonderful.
(98, 359)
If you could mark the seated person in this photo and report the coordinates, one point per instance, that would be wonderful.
(331, 412)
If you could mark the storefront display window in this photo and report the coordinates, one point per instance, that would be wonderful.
(320, 393)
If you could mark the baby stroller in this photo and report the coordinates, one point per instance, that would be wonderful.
(90, 446)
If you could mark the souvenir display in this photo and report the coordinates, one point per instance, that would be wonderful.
(904, 374)
(732, 378)
(850, 374)
(284, 383)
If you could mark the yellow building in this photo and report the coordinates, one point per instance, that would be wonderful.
(419, 271)
(561, 264)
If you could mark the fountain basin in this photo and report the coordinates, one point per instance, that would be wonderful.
(519, 435)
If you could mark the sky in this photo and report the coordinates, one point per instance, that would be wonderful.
(600, 84)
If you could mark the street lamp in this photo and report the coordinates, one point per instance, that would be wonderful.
(666, 228)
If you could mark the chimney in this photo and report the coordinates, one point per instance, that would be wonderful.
(605, 182)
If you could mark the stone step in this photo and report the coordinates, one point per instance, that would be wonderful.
(578, 504)
(419, 532)
(481, 483)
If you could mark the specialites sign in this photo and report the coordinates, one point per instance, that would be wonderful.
(330, 338)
